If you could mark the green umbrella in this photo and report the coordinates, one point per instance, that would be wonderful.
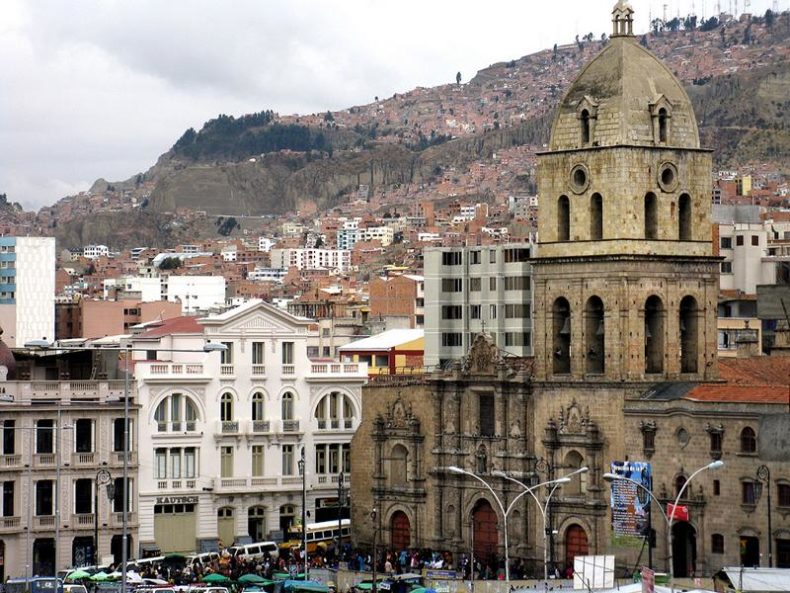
(77, 574)
(100, 576)
(251, 577)
(215, 577)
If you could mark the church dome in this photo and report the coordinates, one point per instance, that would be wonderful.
(625, 95)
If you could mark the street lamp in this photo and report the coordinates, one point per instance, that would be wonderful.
(506, 511)
(103, 477)
(764, 474)
(302, 470)
(543, 508)
(374, 519)
(44, 344)
(610, 477)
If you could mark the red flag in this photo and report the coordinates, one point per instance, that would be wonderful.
(678, 513)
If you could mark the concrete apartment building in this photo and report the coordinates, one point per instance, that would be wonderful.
(469, 290)
(27, 289)
(222, 433)
(195, 293)
(62, 419)
(88, 318)
(311, 259)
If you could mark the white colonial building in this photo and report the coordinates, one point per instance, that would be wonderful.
(221, 433)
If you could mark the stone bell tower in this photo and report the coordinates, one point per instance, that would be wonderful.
(625, 282)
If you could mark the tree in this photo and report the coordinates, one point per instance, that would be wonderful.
(328, 116)
(458, 78)
(643, 41)
(170, 263)
(673, 25)
(769, 18)
(690, 22)
(554, 53)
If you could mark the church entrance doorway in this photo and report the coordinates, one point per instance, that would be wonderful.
(684, 549)
(576, 544)
(400, 528)
(485, 525)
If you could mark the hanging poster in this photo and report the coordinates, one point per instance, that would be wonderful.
(630, 503)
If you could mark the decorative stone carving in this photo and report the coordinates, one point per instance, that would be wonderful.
(573, 420)
(483, 356)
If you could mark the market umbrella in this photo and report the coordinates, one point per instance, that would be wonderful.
(100, 576)
(215, 577)
(77, 574)
(251, 577)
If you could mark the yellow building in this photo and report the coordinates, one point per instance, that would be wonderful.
(393, 352)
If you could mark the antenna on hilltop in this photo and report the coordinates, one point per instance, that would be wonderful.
(747, 5)
(665, 12)
(775, 8)
(693, 12)
(735, 14)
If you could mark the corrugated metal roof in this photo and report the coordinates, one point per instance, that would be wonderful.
(385, 340)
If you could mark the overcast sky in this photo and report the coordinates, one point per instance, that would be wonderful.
(100, 88)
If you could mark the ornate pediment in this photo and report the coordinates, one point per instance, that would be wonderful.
(258, 322)
(573, 420)
(483, 357)
(398, 416)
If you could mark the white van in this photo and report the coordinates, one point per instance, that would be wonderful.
(204, 559)
(255, 551)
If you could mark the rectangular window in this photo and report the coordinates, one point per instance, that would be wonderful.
(451, 258)
(312, 352)
(715, 442)
(783, 491)
(726, 267)
(748, 493)
(334, 459)
(346, 452)
(320, 459)
(487, 423)
(517, 311)
(475, 284)
(452, 312)
(492, 311)
(382, 360)
(175, 463)
(452, 285)
(227, 354)
(117, 435)
(492, 284)
(517, 283)
(226, 462)
(83, 435)
(474, 257)
(516, 254)
(117, 502)
(492, 256)
(160, 464)
(452, 339)
(475, 311)
(257, 460)
(44, 491)
(726, 242)
(190, 462)
(8, 498)
(8, 437)
(288, 352)
(517, 339)
(716, 487)
(739, 240)
(258, 350)
(288, 460)
(44, 437)
(755, 240)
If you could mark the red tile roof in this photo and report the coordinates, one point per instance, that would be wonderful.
(761, 379)
(176, 325)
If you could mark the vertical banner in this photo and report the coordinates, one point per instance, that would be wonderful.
(630, 503)
(648, 580)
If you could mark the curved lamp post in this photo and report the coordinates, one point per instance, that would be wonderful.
(543, 508)
(506, 511)
(44, 344)
(610, 477)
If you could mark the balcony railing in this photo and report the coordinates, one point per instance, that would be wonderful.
(66, 391)
(44, 521)
(44, 459)
(226, 370)
(83, 458)
(83, 520)
(160, 369)
(117, 457)
(290, 426)
(322, 371)
(289, 369)
(258, 369)
(9, 523)
(261, 426)
(229, 426)
(116, 519)
(10, 461)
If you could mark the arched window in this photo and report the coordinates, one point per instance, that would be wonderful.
(654, 335)
(689, 334)
(594, 334)
(288, 406)
(563, 219)
(663, 125)
(585, 119)
(748, 440)
(399, 458)
(651, 216)
(335, 411)
(257, 406)
(177, 412)
(596, 217)
(578, 484)
(256, 523)
(561, 331)
(226, 407)
(684, 217)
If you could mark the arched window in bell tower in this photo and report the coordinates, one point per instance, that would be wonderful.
(585, 120)
(651, 216)
(684, 217)
(561, 333)
(594, 334)
(596, 217)
(563, 219)
(689, 334)
(663, 125)
(654, 335)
